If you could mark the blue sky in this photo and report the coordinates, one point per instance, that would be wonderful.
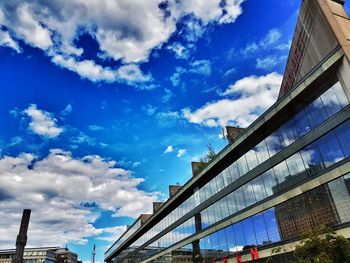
(105, 105)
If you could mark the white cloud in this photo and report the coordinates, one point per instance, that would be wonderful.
(267, 63)
(271, 38)
(61, 190)
(181, 152)
(180, 51)
(200, 67)
(269, 41)
(252, 96)
(169, 149)
(167, 96)
(67, 110)
(7, 41)
(42, 123)
(125, 30)
(89, 69)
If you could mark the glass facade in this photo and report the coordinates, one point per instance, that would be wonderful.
(325, 205)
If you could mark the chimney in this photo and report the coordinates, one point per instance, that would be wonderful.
(157, 206)
(233, 133)
(144, 218)
(173, 189)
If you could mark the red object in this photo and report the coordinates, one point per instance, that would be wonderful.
(239, 258)
(254, 252)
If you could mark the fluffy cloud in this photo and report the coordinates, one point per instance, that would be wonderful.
(42, 122)
(250, 97)
(125, 30)
(62, 192)
(169, 149)
(90, 70)
(7, 41)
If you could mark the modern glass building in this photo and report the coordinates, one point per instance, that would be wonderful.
(287, 173)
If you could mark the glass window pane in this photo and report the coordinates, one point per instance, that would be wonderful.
(219, 182)
(316, 113)
(343, 134)
(252, 160)
(227, 177)
(271, 225)
(273, 143)
(340, 191)
(239, 196)
(295, 164)
(331, 102)
(312, 159)
(262, 152)
(330, 149)
(224, 207)
(248, 194)
(234, 171)
(301, 125)
(230, 238)
(269, 181)
(213, 187)
(339, 91)
(281, 172)
(259, 188)
(231, 202)
(242, 165)
(260, 230)
(249, 233)
(239, 236)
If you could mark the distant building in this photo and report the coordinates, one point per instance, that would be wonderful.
(31, 255)
(63, 255)
(285, 174)
(41, 255)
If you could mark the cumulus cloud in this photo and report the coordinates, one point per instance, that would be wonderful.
(246, 99)
(126, 31)
(42, 123)
(62, 191)
(169, 149)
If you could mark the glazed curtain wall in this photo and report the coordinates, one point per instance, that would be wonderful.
(321, 109)
(326, 151)
(326, 205)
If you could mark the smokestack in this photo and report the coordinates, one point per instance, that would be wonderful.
(21, 241)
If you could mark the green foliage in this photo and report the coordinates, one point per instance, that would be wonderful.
(209, 156)
(320, 247)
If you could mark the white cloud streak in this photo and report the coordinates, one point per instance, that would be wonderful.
(251, 96)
